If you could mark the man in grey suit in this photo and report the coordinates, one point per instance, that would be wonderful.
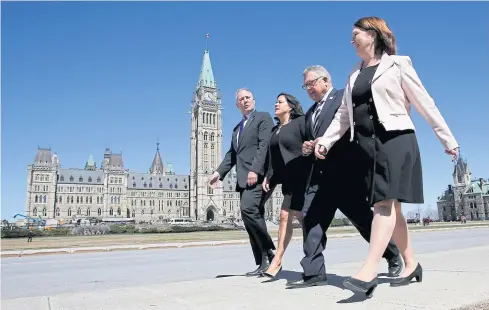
(248, 152)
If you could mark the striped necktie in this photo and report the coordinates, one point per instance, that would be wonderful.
(315, 116)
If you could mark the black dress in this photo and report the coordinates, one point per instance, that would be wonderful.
(292, 187)
(389, 160)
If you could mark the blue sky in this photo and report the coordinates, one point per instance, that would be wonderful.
(80, 77)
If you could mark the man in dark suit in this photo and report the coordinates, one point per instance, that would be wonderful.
(248, 152)
(334, 184)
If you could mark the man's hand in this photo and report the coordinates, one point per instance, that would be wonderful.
(213, 179)
(265, 185)
(320, 151)
(308, 147)
(252, 178)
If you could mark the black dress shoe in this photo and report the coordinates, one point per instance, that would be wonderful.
(395, 266)
(361, 286)
(417, 274)
(258, 271)
(308, 281)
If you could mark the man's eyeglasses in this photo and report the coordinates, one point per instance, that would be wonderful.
(312, 83)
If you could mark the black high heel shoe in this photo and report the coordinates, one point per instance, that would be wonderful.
(271, 276)
(417, 273)
(361, 286)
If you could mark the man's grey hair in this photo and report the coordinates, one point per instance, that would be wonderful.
(244, 89)
(320, 71)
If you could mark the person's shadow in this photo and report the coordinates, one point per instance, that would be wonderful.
(333, 280)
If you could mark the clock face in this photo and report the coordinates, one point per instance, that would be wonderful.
(208, 96)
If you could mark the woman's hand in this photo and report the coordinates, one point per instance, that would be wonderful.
(454, 153)
(265, 184)
(319, 151)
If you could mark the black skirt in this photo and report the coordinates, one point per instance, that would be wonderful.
(389, 161)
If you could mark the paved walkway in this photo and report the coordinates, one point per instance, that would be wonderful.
(452, 279)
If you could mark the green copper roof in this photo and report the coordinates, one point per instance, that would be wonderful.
(206, 77)
(90, 161)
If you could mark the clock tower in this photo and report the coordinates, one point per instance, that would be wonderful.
(206, 203)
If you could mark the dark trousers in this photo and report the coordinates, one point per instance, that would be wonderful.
(252, 207)
(323, 197)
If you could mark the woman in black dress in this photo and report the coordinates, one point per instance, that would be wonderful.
(376, 106)
(286, 166)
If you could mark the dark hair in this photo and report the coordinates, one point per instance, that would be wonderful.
(385, 41)
(294, 104)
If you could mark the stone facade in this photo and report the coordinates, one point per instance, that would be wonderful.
(111, 192)
(466, 196)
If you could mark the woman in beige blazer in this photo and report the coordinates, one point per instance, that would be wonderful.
(376, 106)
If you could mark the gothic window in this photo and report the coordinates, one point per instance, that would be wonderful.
(161, 185)
(98, 180)
(133, 213)
(90, 179)
(118, 211)
(111, 211)
(69, 212)
(90, 200)
(60, 199)
(62, 178)
(35, 199)
(71, 199)
(145, 184)
(34, 212)
(205, 136)
(77, 199)
(133, 184)
(80, 179)
(99, 212)
(214, 119)
(88, 211)
(203, 118)
(78, 212)
(86, 200)
(150, 185)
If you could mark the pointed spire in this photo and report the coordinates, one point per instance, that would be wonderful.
(157, 165)
(90, 164)
(206, 77)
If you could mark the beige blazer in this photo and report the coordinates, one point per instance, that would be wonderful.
(395, 86)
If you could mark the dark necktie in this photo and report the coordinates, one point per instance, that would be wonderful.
(241, 126)
(315, 117)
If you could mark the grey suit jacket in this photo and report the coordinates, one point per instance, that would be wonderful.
(250, 153)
